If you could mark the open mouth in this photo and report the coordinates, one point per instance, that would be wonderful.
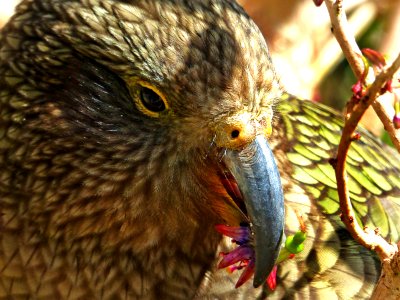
(242, 257)
(231, 186)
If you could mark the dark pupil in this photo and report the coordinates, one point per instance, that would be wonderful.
(151, 100)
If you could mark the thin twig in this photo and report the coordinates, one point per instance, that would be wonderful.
(329, 55)
(343, 35)
(388, 123)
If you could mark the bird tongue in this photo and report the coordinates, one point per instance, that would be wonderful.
(252, 180)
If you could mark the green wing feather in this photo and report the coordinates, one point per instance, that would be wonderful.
(332, 266)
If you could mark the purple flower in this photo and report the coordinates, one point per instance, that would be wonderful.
(242, 257)
(243, 253)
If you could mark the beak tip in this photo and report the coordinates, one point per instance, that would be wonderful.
(257, 281)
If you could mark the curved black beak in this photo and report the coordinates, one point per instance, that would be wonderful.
(258, 179)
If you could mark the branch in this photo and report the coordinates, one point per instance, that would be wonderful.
(366, 238)
(388, 253)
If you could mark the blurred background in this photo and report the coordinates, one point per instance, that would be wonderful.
(307, 58)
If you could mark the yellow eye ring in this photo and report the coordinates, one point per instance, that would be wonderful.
(149, 100)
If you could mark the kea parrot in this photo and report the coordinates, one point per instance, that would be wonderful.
(134, 132)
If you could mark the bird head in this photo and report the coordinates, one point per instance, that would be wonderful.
(144, 123)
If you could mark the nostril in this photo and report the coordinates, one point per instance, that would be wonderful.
(235, 133)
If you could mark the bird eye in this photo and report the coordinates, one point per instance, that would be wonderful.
(151, 100)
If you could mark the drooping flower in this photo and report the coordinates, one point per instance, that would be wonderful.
(239, 234)
(243, 256)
